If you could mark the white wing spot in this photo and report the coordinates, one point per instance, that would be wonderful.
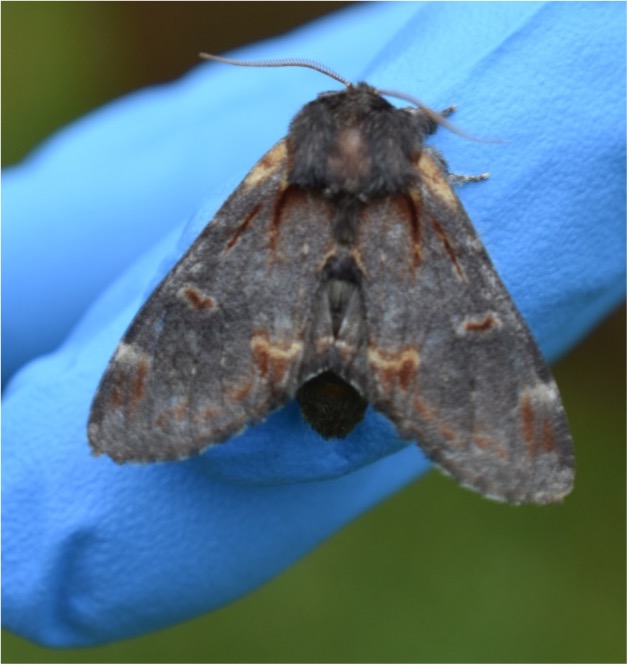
(128, 354)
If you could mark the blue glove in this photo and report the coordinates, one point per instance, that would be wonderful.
(93, 551)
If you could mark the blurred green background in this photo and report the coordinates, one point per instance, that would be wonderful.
(435, 574)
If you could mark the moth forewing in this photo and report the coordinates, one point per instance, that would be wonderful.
(452, 361)
(208, 353)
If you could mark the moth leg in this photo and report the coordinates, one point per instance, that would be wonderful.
(455, 179)
(459, 179)
(448, 111)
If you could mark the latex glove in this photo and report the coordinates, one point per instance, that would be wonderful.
(94, 552)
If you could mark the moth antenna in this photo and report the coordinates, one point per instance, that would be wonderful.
(437, 118)
(285, 62)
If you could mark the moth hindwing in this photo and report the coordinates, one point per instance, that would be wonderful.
(342, 271)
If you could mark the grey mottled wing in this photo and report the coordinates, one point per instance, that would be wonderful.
(219, 344)
(449, 359)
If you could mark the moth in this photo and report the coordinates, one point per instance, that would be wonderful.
(342, 272)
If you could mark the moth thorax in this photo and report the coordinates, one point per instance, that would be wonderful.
(349, 161)
(330, 405)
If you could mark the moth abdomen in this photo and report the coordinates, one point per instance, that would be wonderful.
(330, 405)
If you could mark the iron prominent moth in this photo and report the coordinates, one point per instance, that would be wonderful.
(343, 271)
